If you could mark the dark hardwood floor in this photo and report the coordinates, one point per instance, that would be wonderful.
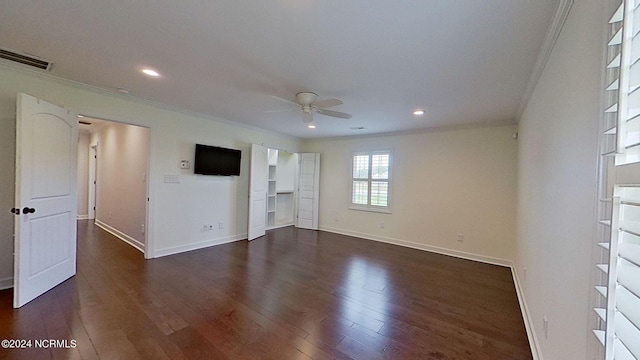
(293, 294)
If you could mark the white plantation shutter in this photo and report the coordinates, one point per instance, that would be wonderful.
(370, 181)
(617, 288)
(626, 43)
(622, 338)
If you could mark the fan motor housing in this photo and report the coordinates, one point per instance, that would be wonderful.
(306, 98)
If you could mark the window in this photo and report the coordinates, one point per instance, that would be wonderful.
(370, 181)
(617, 301)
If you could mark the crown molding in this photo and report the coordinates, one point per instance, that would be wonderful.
(553, 32)
(46, 76)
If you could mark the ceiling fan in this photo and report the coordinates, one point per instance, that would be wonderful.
(307, 101)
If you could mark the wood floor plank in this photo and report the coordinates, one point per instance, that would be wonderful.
(292, 294)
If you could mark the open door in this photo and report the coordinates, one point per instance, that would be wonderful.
(309, 191)
(258, 180)
(46, 175)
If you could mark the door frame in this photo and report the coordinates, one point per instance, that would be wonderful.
(93, 175)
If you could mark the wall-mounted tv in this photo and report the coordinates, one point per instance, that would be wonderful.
(213, 160)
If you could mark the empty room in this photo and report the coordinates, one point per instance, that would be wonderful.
(320, 180)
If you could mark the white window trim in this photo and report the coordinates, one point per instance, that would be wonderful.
(371, 208)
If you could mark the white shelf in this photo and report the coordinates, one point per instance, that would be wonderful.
(602, 313)
(602, 290)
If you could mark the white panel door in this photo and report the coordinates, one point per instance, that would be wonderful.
(258, 180)
(309, 191)
(46, 176)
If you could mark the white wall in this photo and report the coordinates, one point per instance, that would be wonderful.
(121, 190)
(557, 167)
(7, 178)
(178, 211)
(443, 183)
(83, 175)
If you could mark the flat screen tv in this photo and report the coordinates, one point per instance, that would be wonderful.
(213, 160)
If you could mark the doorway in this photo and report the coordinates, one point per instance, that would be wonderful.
(114, 190)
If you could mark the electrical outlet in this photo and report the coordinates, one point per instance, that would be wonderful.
(524, 273)
(335, 218)
(220, 225)
(461, 237)
(142, 228)
(381, 225)
(205, 227)
(545, 326)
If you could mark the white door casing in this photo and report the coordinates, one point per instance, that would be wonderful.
(258, 180)
(93, 166)
(46, 176)
(308, 191)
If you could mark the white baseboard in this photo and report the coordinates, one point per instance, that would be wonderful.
(82, 217)
(430, 248)
(6, 283)
(528, 322)
(198, 245)
(120, 235)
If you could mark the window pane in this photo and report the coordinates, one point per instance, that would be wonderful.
(380, 166)
(379, 193)
(360, 166)
(360, 192)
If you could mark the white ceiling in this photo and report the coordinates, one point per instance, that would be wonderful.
(463, 61)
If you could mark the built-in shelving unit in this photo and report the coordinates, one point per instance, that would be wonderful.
(271, 187)
(281, 188)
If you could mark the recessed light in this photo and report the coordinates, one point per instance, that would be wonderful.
(311, 126)
(151, 72)
(80, 116)
(418, 112)
(122, 90)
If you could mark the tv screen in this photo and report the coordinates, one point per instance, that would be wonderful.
(213, 160)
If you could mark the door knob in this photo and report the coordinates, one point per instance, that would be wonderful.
(15, 211)
(28, 210)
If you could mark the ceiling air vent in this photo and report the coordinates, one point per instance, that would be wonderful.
(25, 59)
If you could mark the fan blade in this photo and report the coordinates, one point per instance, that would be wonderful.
(328, 103)
(285, 100)
(307, 117)
(277, 111)
(336, 114)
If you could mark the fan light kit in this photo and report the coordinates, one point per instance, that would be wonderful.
(311, 126)
(418, 112)
(151, 72)
(307, 101)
